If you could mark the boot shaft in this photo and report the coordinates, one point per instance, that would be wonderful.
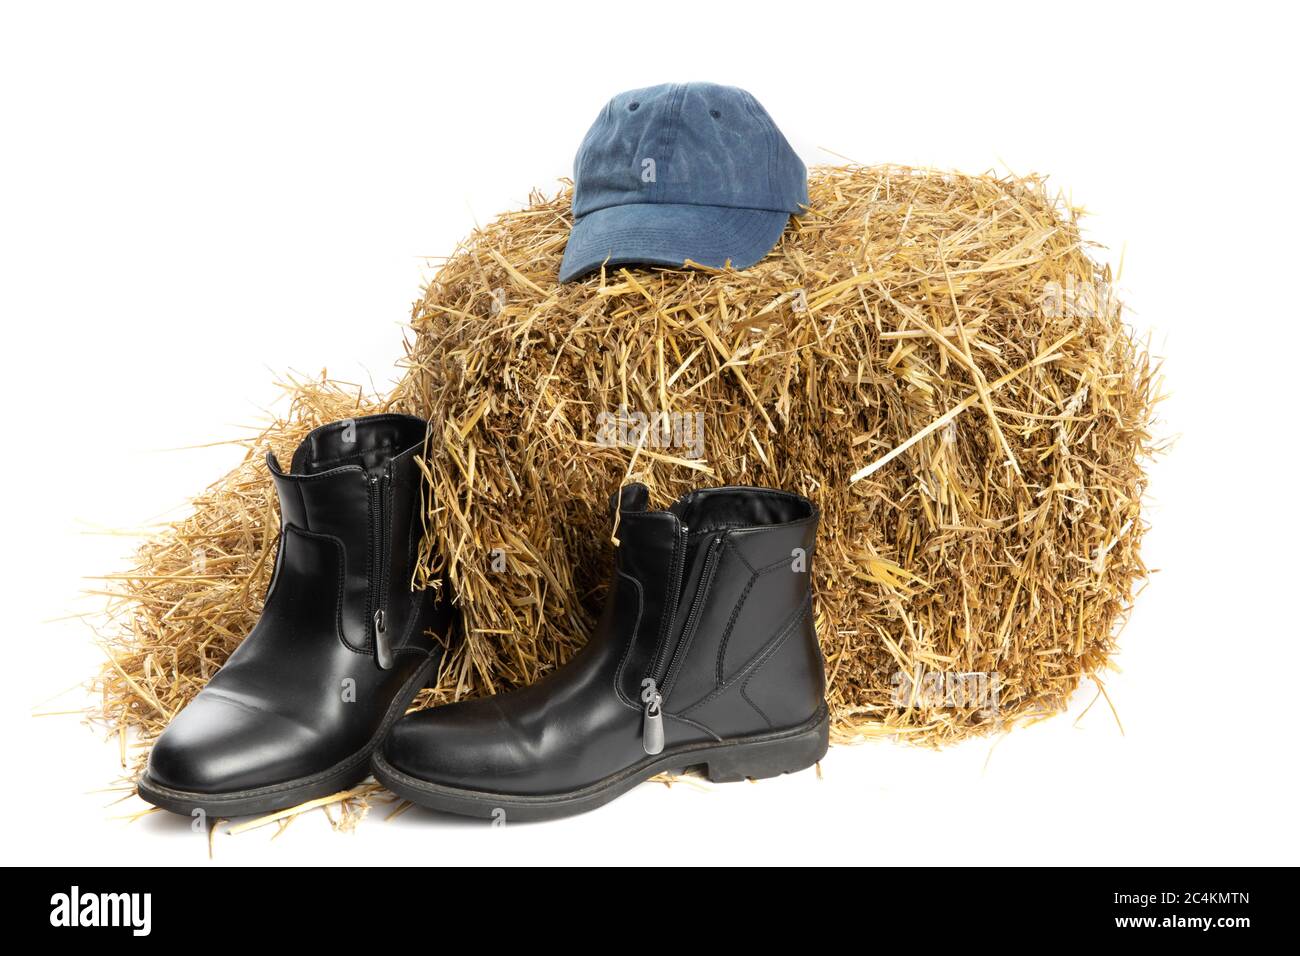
(714, 596)
(350, 505)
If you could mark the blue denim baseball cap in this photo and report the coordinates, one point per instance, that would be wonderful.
(681, 171)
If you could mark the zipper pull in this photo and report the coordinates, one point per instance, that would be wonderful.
(383, 649)
(652, 725)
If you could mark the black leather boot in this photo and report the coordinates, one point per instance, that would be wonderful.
(706, 656)
(341, 648)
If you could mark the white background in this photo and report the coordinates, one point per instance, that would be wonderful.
(196, 199)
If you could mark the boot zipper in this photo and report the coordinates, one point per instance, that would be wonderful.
(652, 724)
(379, 583)
(652, 721)
(652, 718)
(674, 599)
(692, 618)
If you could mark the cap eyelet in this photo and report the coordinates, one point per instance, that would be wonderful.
(715, 114)
(632, 107)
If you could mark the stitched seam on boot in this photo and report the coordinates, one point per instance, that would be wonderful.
(743, 560)
(342, 572)
(735, 612)
(744, 692)
(785, 636)
(694, 723)
(622, 664)
(758, 659)
(726, 634)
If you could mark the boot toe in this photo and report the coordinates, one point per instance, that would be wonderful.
(467, 745)
(222, 745)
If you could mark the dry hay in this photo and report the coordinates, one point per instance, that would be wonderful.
(933, 358)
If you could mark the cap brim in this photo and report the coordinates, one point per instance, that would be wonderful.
(667, 234)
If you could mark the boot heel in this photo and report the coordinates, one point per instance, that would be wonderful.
(769, 758)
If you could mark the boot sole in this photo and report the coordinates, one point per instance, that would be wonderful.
(745, 758)
(343, 775)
